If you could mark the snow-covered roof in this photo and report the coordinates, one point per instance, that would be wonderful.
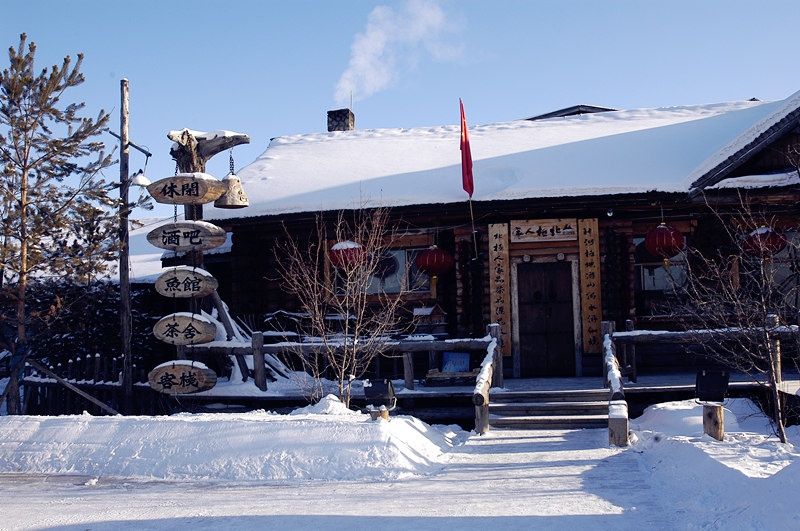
(615, 152)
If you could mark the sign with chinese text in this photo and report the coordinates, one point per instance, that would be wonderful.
(543, 230)
(182, 377)
(187, 236)
(187, 189)
(591, 309)
(500, 283)
(184, 328)
(185, 282)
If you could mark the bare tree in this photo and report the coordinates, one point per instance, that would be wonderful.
(737, 292)
(348, 311)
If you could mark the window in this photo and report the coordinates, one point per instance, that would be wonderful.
(397, 272)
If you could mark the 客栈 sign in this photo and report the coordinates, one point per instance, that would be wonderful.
(187, 189)
(183, 236)
(185, 282)
(181, 377)
(185, 328)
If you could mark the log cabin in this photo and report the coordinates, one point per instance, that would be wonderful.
(553, 239)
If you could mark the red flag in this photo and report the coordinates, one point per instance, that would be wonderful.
(466, 155)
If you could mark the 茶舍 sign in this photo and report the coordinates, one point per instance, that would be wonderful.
(184, 328)
(187, 189)
(181, 377)
(185, 282)
(187, 236)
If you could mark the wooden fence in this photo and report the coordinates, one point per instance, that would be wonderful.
(91, 384)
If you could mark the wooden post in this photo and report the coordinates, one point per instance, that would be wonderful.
(124, 251)
(630, 364)
(495, 332)
(408, 369)
(618, 423)
(97, 373)
(772, 322)
(714, 421)
(259, 368)
(607, 328)
(223, 315)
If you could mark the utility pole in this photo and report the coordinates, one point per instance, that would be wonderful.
(124, 253)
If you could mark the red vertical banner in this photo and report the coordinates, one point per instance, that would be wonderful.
(466, 155)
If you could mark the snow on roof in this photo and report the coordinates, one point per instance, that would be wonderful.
(780, 110)
(615, 152)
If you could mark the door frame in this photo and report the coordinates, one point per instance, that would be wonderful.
(576, 310)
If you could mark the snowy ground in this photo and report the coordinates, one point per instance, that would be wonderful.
(328, 468)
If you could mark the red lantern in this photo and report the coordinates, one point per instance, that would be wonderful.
(347, 254)
(764, 242)
(664, 241)
(434, 262)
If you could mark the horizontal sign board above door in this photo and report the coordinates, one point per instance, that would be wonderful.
(544, 230)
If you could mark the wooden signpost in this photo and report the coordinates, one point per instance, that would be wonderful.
(182, 236)
(186, 282)
(185, 328)
(187, 189)
(192, 188)
(181, 377)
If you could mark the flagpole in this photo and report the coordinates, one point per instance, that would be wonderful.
(466, 172)
(474, 234)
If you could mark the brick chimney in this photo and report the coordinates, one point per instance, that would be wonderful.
(341, 120)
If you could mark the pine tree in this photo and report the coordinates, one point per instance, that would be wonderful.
(51, 187)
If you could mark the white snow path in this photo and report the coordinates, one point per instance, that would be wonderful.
(505, 479)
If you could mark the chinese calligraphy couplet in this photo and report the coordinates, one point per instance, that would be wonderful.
(185, 282)
(184, 328)
(182, 377)
(187, 189)
(500, 283)
(187, 236)
(591, 309)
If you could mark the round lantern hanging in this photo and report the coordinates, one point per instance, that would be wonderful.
(764, 242)
(434, 262)
(347, 254)
(664, 241)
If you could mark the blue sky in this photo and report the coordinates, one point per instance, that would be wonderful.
(271, 68)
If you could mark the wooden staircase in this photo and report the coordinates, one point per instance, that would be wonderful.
(571, 409)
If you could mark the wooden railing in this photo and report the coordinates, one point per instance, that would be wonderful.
(612, 378)
(491, 375)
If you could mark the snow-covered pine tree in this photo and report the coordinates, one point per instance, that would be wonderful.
(50, 184)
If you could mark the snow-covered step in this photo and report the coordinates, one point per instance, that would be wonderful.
(549, 408)
(534, 422)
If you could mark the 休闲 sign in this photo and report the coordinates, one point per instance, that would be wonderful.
(187, 189)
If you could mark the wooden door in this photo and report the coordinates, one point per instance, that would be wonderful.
(546, 320)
